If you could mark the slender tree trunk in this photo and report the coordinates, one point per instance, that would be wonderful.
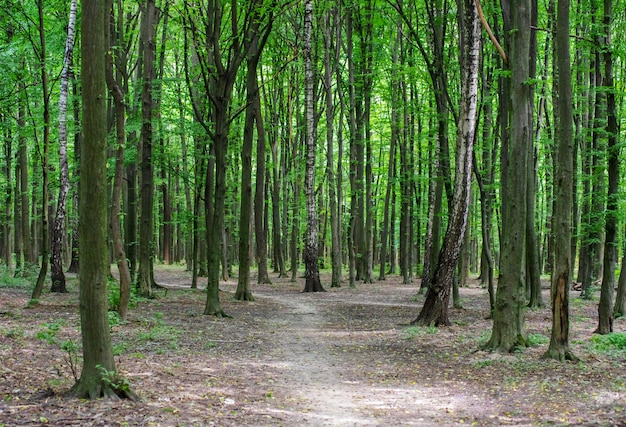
(435, 309)
(146, 231)
(619, 309)
(120, 139)
(22, 157)
(74, 262)
(605, 308)
(313, 283)
(44, 160)
(56, 261)
(329, 56)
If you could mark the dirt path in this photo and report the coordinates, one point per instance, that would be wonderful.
(312, 371)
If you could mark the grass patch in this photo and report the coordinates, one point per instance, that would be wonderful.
(613, 343)
(413, 332)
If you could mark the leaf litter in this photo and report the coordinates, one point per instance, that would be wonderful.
(345, 357)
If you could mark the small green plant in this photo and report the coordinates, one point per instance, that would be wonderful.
(415, 331)
(112, 380)
(537, 339)
(48, 333)
(114, 318)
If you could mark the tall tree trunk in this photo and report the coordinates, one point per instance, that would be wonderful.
(74, 262)
(607, 291)
(508, 327)
(146, 224)
(313, 283)
(118, 95)
(435, 309)
(330, 60)
(44, 159)
(58, 230)
(98, 377)
(562, 217)
(22, 159)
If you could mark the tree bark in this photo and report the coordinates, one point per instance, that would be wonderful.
(330, 60)
(508, 327)
(56, 261)
(118, 95)
(146, 231)
(435, 309)
(313, 283)
(607, 291)
(562, 217)
(44, 159)
(98, 377)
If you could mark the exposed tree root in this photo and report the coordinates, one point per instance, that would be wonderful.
(101, 390)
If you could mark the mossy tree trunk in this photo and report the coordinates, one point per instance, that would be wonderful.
(98, 376)
(563, 183)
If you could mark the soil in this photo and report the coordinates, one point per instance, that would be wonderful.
(345, 357)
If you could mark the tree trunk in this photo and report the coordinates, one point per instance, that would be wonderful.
(56, 261)
(435, 309)
(508, 327)
(605, 308)
(330, 59)
(74, 262)
(44, 159)
(146, 224)
(313, 283)
(120, 139)
(22, 159)
(562, 216)
(99, 377)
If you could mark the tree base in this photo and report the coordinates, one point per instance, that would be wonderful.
(101, 390)
(561, 354)
(243, 296)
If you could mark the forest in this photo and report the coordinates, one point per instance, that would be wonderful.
(449, 168)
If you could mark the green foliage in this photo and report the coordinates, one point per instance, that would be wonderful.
(114, 319)
(113, 380)
(160, 333)
(537, 339)
(10, 280)
(610, 343)
(413, 332)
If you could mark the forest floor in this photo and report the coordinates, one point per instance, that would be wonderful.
(346, 357)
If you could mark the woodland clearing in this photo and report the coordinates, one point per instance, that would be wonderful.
(345, 357)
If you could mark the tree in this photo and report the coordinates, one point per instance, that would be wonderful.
(313, 283)
(607, 291)
(42, 54)
(435, 309)
(98, 377)
(562, 216)
(58, 229)
(146, 232)
(509, 310)
(117, 93)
